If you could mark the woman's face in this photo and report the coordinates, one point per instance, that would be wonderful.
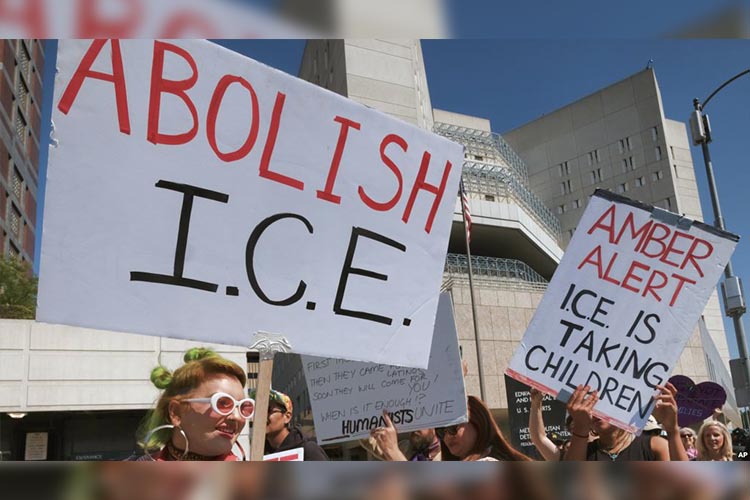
(713, 439)
(208, 432)
(462, 442)
(688, 441)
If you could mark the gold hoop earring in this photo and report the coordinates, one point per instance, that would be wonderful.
(162, 427)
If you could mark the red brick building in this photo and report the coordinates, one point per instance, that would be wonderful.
(21, 70)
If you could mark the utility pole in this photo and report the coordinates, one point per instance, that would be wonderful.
(731, 288)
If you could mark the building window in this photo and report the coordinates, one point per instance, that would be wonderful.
(621, 146)
(565, 187)
(576, 203)
(671, 151)
(667, 204)
(596, 156)
(654, 134)
(658, 153)
(14, 222)
(640, 182)
(24, 59)
(628, 164)
(561, 209)
(16, 184)
(590, 157)
(657, 176)
(622, 188)
(489, 197)
(563, 169)
(20, 125)
(629, 143)
(596, 175)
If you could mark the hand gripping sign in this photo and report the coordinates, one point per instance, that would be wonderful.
(198, 194)
(621, 306)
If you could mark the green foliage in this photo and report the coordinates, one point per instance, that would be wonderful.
(18, 288)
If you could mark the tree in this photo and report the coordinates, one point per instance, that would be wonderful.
(18, 288)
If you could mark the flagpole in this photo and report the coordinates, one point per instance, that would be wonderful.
(464, 207)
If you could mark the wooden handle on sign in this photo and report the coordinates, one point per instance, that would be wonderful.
(262, 395)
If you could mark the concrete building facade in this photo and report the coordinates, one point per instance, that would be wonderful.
(618, 139)
(21, 69)
(515, 238)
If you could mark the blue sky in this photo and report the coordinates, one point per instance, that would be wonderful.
(513, 81)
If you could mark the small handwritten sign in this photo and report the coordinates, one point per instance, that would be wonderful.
(348, 397)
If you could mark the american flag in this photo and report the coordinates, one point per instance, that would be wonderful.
(467, 212)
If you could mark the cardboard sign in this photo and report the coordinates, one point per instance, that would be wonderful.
(198, 194)
(621, 306)
(295, 455)
(519, 408)
(696, 402)
(348, 398)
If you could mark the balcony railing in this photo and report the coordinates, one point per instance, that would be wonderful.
(488, 145)
(485, 178)
(503, 273)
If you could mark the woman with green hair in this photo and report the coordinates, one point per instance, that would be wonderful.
(201, 411)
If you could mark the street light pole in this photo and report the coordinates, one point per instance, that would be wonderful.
(734, 301)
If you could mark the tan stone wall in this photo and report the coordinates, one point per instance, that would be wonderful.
(503, 316)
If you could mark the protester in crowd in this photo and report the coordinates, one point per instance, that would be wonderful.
(619, 445)
(422, 446)
(201, 412)
(551, 447)
(544, 445)
(714, 442)
(688, 437)
(281, 435)
(653, 428)
(478, 439)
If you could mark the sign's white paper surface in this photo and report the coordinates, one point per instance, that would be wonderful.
(198, 194)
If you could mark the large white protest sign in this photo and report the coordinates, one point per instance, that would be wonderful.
(198, 194)
(621, 306)
(348, 397)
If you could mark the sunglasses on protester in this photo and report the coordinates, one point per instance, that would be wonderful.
(449, 431)
(224, 404)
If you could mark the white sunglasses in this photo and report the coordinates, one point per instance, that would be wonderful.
(224, 404)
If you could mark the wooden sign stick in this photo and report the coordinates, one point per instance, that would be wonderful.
(267, 345)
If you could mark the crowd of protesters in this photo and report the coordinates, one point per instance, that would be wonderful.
(203, 408)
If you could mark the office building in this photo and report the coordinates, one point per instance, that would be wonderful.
(619, 139)
(21, 69)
